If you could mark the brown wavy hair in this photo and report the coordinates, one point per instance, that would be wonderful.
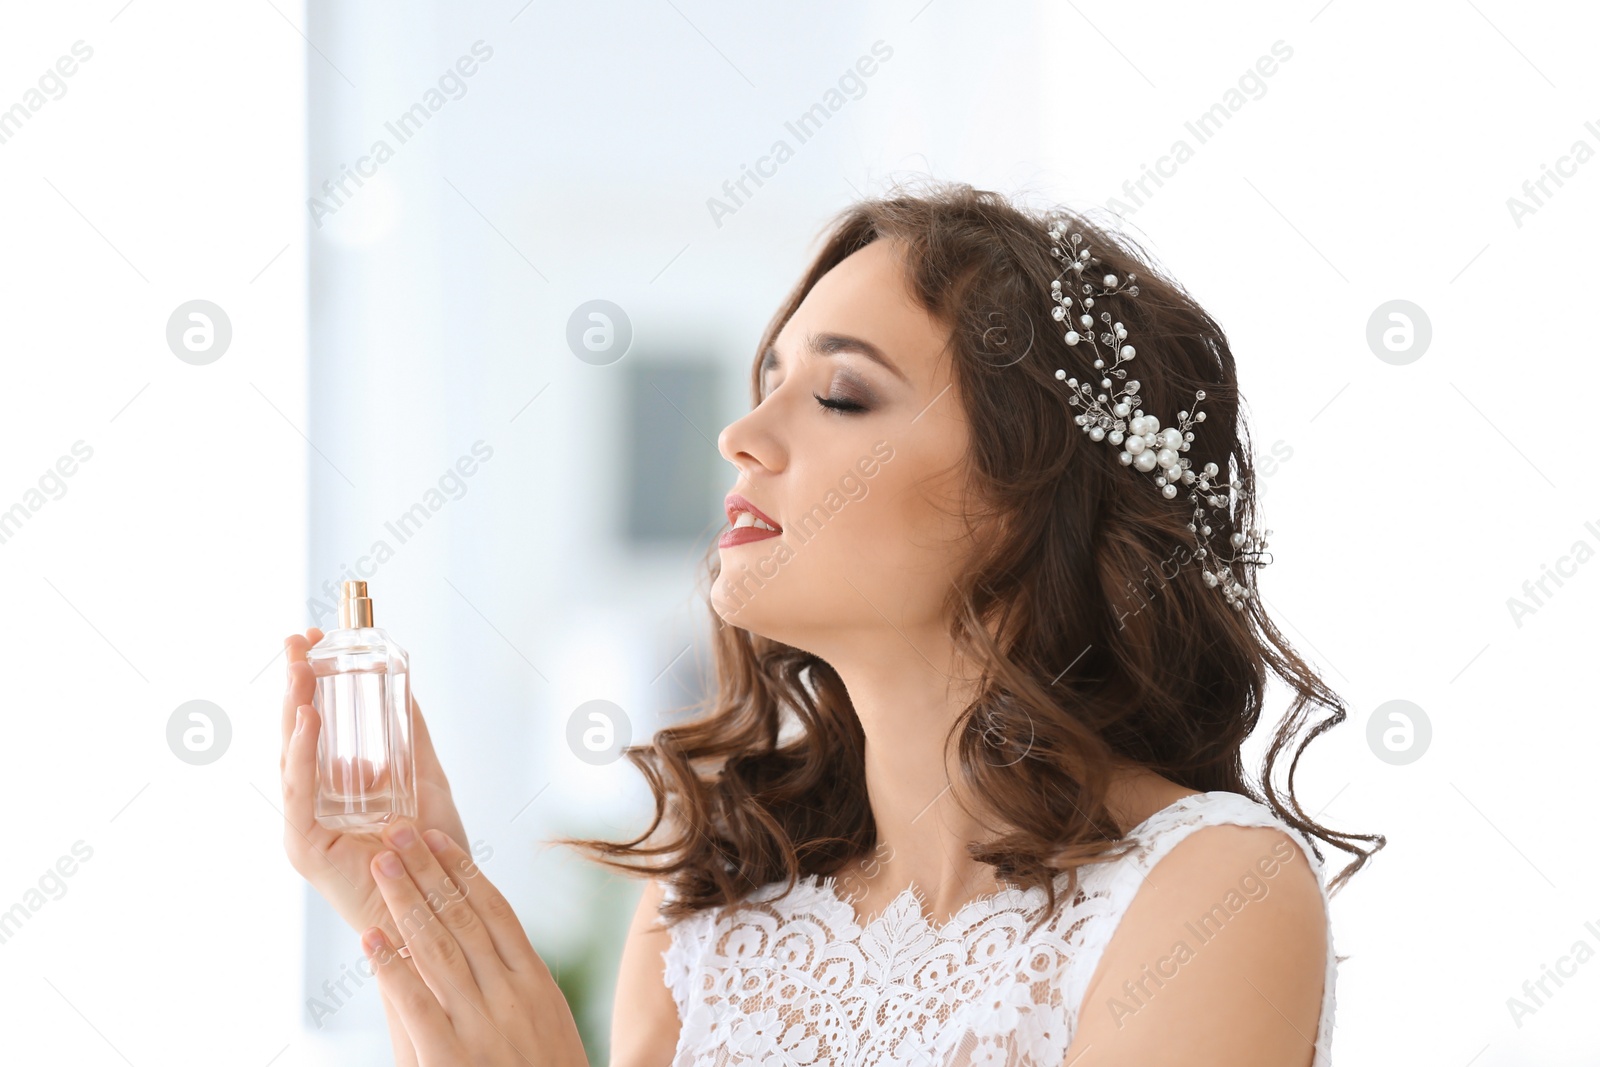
(1099, 644)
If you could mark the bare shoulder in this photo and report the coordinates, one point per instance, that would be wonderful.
(1226, 945)
(644, 1017)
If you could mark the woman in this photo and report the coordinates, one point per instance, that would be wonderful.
(969, 788)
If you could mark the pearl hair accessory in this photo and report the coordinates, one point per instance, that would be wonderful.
(1146, 444)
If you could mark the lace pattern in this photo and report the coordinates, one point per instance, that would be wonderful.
(794, 979)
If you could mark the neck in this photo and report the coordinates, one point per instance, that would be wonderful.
(907, 698)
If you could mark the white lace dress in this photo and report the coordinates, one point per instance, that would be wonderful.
(794, 980)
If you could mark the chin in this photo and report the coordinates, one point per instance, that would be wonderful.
(736, 607)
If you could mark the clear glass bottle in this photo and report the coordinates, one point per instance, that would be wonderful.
(366, 766)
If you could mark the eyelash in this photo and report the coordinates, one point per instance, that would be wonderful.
(839, 407)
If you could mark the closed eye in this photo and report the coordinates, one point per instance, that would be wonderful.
(839, 405)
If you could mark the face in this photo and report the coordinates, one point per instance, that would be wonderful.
(859, 461)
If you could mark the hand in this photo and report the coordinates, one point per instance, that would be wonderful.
(472, 991)
(337, 864)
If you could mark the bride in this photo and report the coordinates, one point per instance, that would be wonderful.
(968, 787)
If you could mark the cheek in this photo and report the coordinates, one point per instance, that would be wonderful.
(894, 530)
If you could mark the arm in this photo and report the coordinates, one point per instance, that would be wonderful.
(1218, 961)
(644, 1017)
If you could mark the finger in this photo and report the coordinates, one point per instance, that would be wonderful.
(439, 956)
(300, 784)
(292, 645)
(492, 908)
(420, 1012)
(302, 690)
(446, 899)
(300, 679)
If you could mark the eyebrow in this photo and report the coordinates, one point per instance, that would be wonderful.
(827, 344)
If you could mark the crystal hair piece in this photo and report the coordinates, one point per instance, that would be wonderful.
(1112, 415)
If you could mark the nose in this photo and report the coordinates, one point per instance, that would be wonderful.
(750, 444)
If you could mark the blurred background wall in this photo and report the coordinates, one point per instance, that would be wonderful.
(483, 366)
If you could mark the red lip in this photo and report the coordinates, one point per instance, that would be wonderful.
(733, 504)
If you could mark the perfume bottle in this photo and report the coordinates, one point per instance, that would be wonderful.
(366, 768)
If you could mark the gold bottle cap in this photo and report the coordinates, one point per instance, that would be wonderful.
(355, 607)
